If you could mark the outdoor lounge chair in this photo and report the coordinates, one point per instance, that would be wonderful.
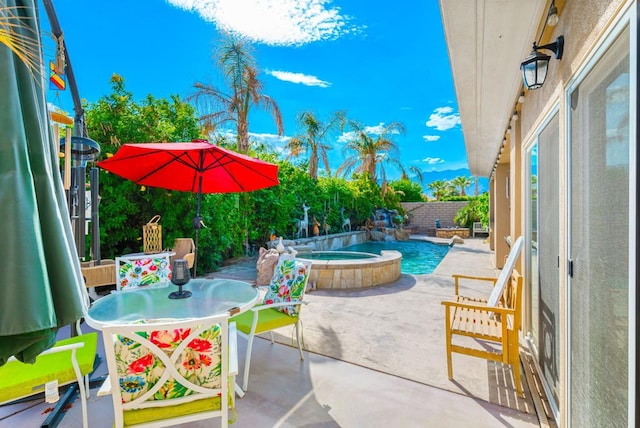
(165, 373)
(68, 361)
(280, 307)
(497, 319)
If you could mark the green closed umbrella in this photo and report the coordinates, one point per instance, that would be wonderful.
(41, 285)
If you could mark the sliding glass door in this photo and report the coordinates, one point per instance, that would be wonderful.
(598, 246)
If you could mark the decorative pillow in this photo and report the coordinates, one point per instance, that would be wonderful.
(143, 272)
(266, 265)
(287, 284)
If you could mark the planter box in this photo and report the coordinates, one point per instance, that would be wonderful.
(448, 233)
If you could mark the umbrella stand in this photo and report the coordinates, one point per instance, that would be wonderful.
(197, 225)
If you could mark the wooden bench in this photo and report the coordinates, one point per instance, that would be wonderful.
(499, 324)
(497, 319)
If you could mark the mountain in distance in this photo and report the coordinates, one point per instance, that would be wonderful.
(429, 177)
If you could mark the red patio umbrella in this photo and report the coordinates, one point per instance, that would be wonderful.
(199, 167)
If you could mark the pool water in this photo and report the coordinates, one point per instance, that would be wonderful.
(418, 257)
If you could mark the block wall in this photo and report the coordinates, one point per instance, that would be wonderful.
(423, 215)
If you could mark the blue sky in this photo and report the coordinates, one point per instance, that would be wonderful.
(382, 62)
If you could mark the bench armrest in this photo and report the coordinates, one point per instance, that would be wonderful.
(481, 308)
(457, 278)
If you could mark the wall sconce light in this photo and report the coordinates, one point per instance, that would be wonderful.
(521, 98)
(515, 115)
(534, 67)
(552, 16)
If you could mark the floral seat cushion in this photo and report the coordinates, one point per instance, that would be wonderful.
(139, 368)
(287, 284)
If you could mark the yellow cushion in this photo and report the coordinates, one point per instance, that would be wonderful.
(19, 380)
(268, 319)
(133, 417)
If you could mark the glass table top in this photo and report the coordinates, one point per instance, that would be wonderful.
(209, 297)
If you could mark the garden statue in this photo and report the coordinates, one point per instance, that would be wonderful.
(325, 225)
(316, 226)
(303, 225)
(346, 221)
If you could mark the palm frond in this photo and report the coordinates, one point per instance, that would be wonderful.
(20, 38)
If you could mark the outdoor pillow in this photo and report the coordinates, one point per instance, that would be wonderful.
(287, 284)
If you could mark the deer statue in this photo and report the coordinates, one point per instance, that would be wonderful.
(346, 221)
(303, 225)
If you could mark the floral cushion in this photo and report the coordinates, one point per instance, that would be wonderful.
(139, 370)
(142, 272)
(287, 284)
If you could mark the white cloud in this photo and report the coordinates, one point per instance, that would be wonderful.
(443, 118)
(378, 129)
(431, 137)
(374, 130)
(304, 79)
(433, 161)
(273, 141)
(274, 22)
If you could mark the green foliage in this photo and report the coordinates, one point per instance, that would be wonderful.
(476, 210)
(232, 221)
(409, 191)
(125, 207)
(457, 198)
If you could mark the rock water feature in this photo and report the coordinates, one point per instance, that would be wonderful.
(388, 226)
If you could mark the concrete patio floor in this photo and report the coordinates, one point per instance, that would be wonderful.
(327, 392)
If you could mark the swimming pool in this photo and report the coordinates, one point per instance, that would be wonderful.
(418, 257)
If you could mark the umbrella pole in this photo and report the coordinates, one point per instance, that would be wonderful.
(197, 224)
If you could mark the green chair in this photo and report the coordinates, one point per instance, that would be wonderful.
(68, 361)
(280, 307)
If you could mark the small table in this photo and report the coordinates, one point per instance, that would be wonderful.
(209, 297)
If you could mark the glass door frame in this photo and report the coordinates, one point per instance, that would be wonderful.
(533, 342)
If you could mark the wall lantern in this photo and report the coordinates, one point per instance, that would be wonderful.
(534, 67)
(552, 15)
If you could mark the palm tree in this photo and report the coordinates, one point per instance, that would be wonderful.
(369, 153)
(416, 171)
(312, 140)
(240, 72)
(462, 182)
(439, 188)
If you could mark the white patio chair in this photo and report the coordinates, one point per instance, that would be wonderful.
(479, 228)
(280, 307)
(146, 270)
(170, 372)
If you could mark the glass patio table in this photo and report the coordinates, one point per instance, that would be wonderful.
(209, 297)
